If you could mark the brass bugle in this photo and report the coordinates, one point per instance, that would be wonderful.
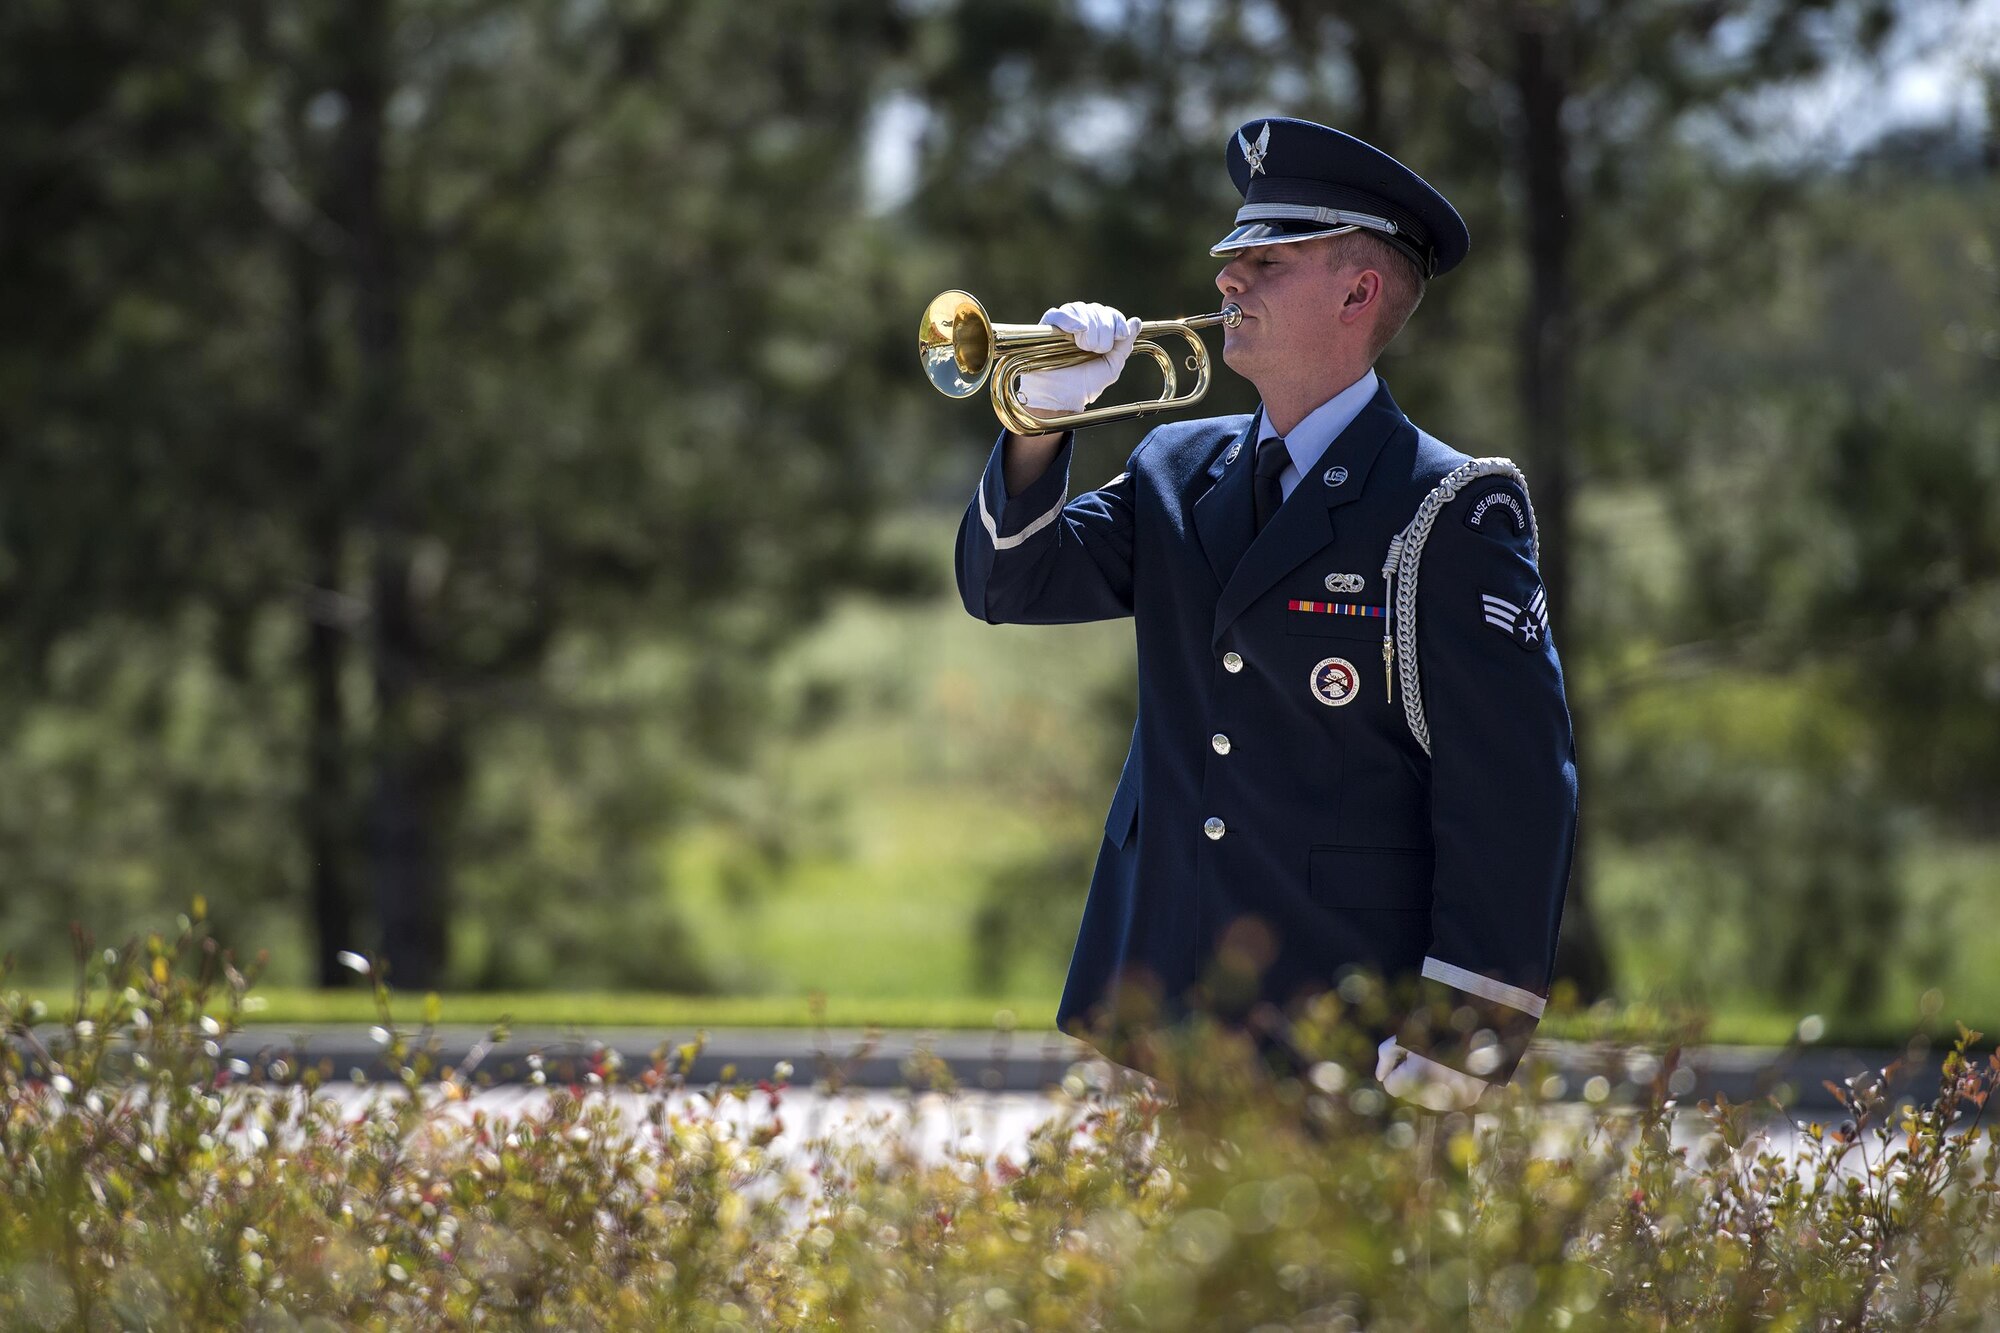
(961, 349)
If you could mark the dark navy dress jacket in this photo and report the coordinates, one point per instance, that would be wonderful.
(1274, 805)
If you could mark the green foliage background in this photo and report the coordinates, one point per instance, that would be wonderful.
(463, 490)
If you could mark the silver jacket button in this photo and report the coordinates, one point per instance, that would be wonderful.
(1213, 828)
(1220, 742)
(1232, 662)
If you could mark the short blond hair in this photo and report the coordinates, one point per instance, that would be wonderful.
(1402, 282)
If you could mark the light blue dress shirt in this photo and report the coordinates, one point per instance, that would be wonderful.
(1321, 427)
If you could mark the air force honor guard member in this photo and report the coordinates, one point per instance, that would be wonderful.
(1280, 790)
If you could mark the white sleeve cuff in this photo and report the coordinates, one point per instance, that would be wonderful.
(1485, 987)
(1008, 543)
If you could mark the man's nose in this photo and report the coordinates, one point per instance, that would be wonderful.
(1230, 281)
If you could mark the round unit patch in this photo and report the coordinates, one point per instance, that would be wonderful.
(1335, 682)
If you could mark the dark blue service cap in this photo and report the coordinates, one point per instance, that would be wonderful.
(1299, 180)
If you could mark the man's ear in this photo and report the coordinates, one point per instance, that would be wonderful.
(1363, 294)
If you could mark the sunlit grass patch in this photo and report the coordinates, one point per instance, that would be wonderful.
(666, 1013)
(928, 776)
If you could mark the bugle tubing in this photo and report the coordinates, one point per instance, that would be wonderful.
(961, 350)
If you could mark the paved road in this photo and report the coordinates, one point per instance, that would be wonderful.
(1027, 1061)
(933, 1126)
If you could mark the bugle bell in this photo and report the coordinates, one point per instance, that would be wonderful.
(961, 349)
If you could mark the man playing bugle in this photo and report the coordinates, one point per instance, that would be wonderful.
(1352, 748)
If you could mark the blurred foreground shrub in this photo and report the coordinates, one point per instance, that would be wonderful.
(147, 1180)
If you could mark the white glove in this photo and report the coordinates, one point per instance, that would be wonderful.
(1094, 328)
(1414, 1078)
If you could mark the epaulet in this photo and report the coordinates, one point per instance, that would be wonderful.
(1182, 449)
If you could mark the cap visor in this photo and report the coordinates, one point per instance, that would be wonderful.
(1252, 234)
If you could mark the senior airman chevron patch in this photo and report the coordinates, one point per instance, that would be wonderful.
(1526, 625)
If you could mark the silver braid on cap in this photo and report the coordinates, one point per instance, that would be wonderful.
(1399, 578)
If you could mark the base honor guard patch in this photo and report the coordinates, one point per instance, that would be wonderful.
(1502, 505)
(1335, 682)
(1526, 625)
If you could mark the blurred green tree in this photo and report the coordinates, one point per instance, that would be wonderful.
(472, 341)
(1805, 693)
(422, 423)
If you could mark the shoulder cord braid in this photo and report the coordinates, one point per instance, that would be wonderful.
(1399, 580)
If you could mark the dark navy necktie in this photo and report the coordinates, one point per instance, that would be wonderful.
(1264, 487)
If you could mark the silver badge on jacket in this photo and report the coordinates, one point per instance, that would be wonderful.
(1335, 682)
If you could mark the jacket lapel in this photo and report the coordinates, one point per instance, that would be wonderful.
(1304, 523)
(1224, 516)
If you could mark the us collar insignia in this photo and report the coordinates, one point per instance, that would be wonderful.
(1526, 625)
(1334, 476)
(1345, 583)
(1334, 682)
(1255, 153)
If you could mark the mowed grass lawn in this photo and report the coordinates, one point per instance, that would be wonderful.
(954, 749)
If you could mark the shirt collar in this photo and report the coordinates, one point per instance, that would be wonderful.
(1323, 425)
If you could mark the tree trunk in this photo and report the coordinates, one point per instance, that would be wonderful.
(1548, 351)
(1370, 115)
(1992, 154)
(419, 767)
(412, 750)
(325, 813)
(328, 827)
